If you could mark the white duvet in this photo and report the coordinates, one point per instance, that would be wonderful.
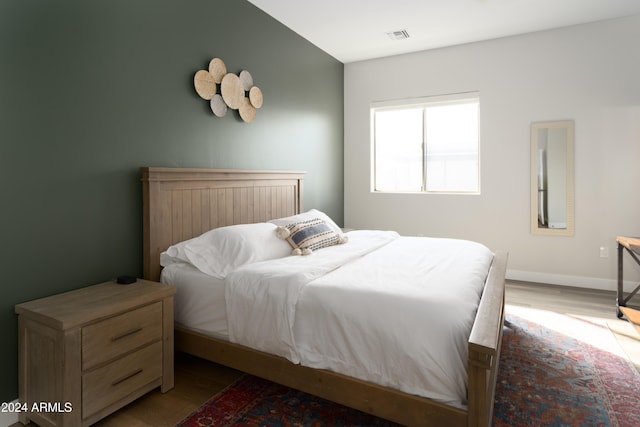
(396, 311)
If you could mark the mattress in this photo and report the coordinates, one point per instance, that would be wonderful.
(199, 302)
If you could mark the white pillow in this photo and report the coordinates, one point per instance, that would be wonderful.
(175, 253)
(307, 216)
(222, 250)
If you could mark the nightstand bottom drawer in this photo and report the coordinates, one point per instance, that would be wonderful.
(106, 385)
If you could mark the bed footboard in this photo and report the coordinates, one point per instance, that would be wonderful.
(382, 402)
(484, 345)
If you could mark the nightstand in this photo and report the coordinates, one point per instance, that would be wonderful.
(86, 353)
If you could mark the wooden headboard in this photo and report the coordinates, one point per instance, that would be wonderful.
(179, 204)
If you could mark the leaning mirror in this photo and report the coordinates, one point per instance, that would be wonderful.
(552, 178)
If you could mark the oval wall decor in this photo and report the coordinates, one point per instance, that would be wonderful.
(246, 80)
(231, 89)
(247, 111)
(205, 85)
(218, 69)
(218, 106)
(226, 90)
(255, 96)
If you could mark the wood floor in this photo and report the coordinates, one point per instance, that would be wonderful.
(599, 306)
(197, 380)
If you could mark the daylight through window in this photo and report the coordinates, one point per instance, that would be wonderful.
(427, 145)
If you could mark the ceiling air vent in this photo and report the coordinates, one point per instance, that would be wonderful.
(398, 35)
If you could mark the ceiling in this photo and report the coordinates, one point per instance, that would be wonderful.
(355, 30)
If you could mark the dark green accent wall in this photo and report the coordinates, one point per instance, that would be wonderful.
(92, 90)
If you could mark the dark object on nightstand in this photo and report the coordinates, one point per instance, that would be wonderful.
(126, 280)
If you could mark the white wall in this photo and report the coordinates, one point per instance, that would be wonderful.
(587, 73)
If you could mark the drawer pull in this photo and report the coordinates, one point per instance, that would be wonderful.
(121, 380)
(126, 334)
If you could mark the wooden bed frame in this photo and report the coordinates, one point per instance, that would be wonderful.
(182, 203)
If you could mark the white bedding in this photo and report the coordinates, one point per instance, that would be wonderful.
(393, 310)
(199, 302)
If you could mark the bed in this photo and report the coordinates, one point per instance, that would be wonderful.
(181, 204)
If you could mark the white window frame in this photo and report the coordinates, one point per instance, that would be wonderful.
(449, 99)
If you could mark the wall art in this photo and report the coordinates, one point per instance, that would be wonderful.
(226, 91)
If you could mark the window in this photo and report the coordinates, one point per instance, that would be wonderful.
(427, 145)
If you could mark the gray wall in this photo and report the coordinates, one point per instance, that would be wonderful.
(91, 91)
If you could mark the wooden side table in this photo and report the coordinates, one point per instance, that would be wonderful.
(86, 353)
(632, 246)
(633, 316)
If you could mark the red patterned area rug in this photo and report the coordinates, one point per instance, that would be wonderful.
(252, 401)
(562, 370)
(547, 377)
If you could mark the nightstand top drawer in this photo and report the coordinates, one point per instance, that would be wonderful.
(115, 336)
(77, 307)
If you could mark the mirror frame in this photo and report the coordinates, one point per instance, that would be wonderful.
(570, 128)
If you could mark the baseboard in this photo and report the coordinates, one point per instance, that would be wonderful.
(574, 281)
(8, 418)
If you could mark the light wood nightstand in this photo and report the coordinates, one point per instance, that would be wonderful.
(86, 353)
